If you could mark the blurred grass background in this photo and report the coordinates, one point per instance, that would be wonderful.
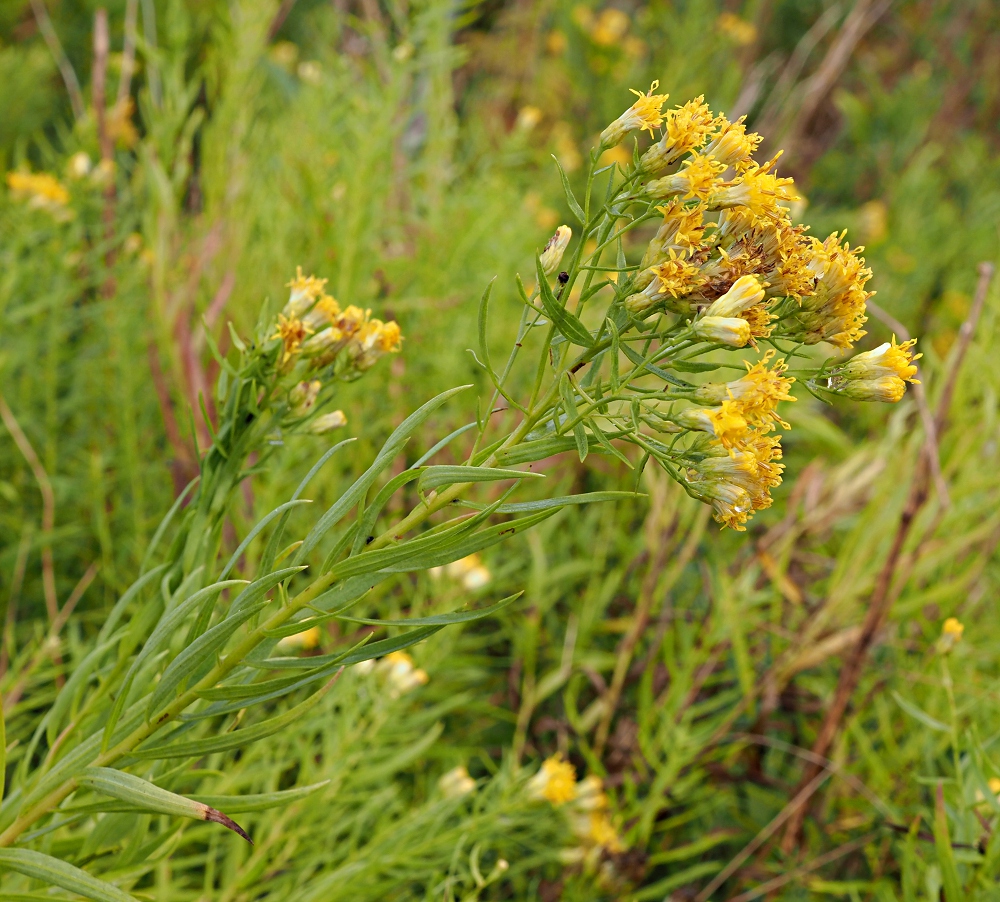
(403, 150)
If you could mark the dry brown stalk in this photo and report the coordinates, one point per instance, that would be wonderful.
(882, 597)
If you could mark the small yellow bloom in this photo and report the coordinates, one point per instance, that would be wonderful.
(41, 191)
(757, 393)
(644, 114)
(740, 30)
(610, 27)
(306, 640)
(732, 145)
(726, 422)
(674, 278)
(685, 129)
(953, 627)
(888, 359)
(456, 783)
(758, 189)
(328, 422)
(292, 332)
(304, 291)
(698, 178)
(555, 781)
(403, 676)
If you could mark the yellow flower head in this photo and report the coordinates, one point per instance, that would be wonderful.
(681, 231)
(602, 833)
(304, 291)
(402, 675)
(698, 178)
(292, 332)
(758, 189)
(953, 627)
(732, 145)
(758, 392)
(725, 422)
(41, 188)
(951, 635)
(555, 781)
(835, 310)
(674, 278)
(685, 129)
(324, 312)
(643, 114)
(888, 359)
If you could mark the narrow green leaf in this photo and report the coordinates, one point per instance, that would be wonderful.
(156, 641)
(366, 524)
(524, 507)
(118, 611)
(145, 796)
(58, 873)
(919, 714)
(571, 200)
(615, 353)
(236, 739)
(441, 619)
(261, 801)
(692, 366)
(569, 403)
(238, 553)
(370, 651)
(435, 477)
(946, 858)
(451, 436)
(165, 523)
(636, 358)
(567, 324)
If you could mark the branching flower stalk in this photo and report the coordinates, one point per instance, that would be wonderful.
(670, 347)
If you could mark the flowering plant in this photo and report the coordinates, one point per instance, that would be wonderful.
(622, 353)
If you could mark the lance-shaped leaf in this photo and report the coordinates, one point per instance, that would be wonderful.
(195, 748)
(544, 504)
(567, 324)
(143, 795)
(54, 872)
(441, 619)
(435, 477)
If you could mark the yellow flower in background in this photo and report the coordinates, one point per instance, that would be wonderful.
(327, 422)
(401, 673)
(469, 570)
(306, 640)
(610, 27)
(951, 635)
(41, 190)
(741, 31)
(456, 783)
(555, 781)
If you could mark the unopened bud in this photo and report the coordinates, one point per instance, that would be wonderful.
(302, 398)
(328, 422)
(552, 256)
(723, 330)
(745, 292)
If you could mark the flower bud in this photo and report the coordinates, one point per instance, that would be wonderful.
(723, 330)
(302, 398)
(328, 422)
(552, 256)
(745, 292)
(887, 389)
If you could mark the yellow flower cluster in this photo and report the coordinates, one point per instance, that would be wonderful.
(40, 190)
(728, 262)
(877, 375)
(312, 326)
(818, 286)
(586, 806)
